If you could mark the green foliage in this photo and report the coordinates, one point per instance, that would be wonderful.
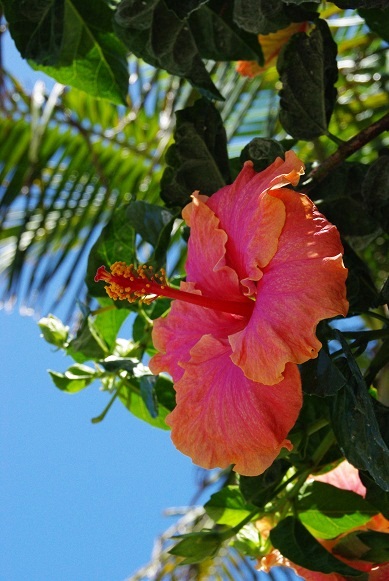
(228, 506)
(308, 72)
(72, 41)
(293, 540)
(327, 511)
(198, 159)
(98, 173)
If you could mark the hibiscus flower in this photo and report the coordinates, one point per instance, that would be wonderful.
(263, 268)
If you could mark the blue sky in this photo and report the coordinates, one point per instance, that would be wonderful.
(80, 501)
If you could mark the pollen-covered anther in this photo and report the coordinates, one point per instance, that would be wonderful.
(127, 282)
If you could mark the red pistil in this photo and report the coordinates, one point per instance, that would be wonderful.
(142, 284)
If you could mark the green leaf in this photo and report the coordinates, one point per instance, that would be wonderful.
(115, 364)
(219, 38)
(72, 41)
(378, 544)
(321, 377)
(165, 392)
(183, 8)
(54, 331)
(148, 220)
(375, 189)
(328, 511)
(177, 38)
(377, 20)
(308, 72)
(156, 34)
(88, 344)
(107, 323)
(197, 547)
(262, 152)
(261, 16)
(368, 545)
(361, 3)
(355, 424)
(361, 291)
(383, 297)
(375, 495)
(76, 378)
(295, 543)
(228, 506)
(130, 395)
(149, 396)
(259, 490)
(198, 159)
(115, 243)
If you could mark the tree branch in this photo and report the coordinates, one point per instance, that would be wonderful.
(345, 150)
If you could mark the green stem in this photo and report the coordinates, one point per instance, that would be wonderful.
(100, 418)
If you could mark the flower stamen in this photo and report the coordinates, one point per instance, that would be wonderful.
(127, 282)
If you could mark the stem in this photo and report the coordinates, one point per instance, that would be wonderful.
(345, 150)
(366, 335)
(100, 418)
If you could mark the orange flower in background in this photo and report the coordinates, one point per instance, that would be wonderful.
(263, 268)
(346, 477)
(271, 45)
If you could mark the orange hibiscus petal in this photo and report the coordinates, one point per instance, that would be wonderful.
(303, 284)
(222, 418)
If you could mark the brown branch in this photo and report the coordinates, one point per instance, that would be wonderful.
(345, 150)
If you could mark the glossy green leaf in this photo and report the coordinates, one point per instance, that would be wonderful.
(198, 159)
(328, 511)
(73, 42)
(375, 189)
(76, 378)
(261, 16)
(129, 394)
(259, 490)
(375, 495)
(156, 34)
(108, 322)
(377, 20)
(308, 72)
(183, 8)
(361, 292)
(88, 344)
(228, 506)
(114, 364)
(295, 543)
(115, 243)
(148, 220)
(147, 391)
(262, 152)
(196, 547)
(355, 424)
(378, 544)
(321, 377)
(178, 39)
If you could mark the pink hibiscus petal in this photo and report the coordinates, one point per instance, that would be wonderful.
(344, 476)
(206, 263)
(175, 335)
(222, 418)
(303, 284)
(246, 202)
